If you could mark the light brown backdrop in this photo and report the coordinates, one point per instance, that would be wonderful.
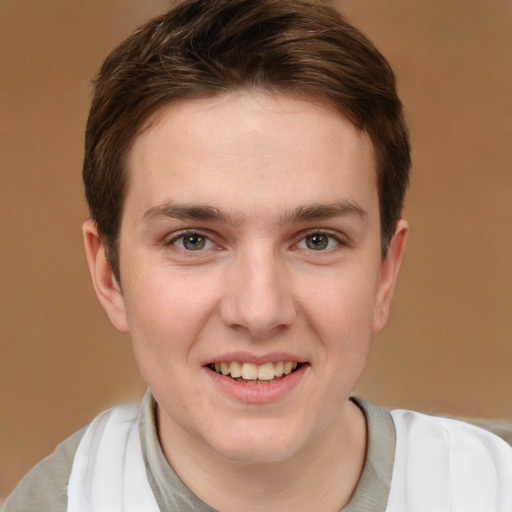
(447, 348)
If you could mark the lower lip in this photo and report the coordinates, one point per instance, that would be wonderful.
(258, 393)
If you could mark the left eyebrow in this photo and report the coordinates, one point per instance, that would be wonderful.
(325, 211)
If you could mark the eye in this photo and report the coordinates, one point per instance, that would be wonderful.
(318, 241)
(192, 242)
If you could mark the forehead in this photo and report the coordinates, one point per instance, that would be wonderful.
(248, 148)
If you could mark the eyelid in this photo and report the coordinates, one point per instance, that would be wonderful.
(338, 237)
(176, 235)
(213, 238)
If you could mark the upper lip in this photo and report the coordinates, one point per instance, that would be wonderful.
(247, 357)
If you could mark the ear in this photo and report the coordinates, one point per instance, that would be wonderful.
(388, 274)
(105, 284)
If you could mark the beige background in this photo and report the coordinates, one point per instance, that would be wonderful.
(448, 345)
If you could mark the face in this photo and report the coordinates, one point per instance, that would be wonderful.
(251, 271)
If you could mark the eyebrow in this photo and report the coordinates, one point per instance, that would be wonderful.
(208, 213)
(190, 212)
(345, 208)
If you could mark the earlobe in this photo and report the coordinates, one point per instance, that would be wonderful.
(389, 269)
(105, 284)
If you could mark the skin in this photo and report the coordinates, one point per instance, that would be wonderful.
(257, 176)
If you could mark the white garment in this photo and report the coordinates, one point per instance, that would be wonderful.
(109, 474)
(444, 465)
(441, 465)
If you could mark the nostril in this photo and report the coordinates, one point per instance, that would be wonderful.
(258, 302)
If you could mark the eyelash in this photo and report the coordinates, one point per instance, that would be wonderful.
(330, 237)
(208, 241)
(190, 233)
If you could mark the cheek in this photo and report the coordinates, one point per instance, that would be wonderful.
(166, 315)
(340, 313)
(341, 307)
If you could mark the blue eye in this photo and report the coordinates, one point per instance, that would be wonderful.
(318, 242)
(192, 242)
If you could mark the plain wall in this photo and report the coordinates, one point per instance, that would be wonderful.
(447, 347)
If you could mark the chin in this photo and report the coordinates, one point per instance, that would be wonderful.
(251, 455)
(257, 445)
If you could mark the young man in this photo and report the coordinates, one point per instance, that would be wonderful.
(246, 163)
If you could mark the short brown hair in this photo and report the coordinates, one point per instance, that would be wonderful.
(205, 47)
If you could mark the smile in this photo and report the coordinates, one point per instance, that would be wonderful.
(250, 373)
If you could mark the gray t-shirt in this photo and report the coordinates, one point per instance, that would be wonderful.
(44, 488)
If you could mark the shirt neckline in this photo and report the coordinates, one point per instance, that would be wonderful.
(371, 493)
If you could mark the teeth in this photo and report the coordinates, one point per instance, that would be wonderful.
(266, 371)
(224, 368)
(249, 371)
(253, 372)
(235, 369)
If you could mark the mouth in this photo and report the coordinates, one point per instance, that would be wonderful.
(250, 373)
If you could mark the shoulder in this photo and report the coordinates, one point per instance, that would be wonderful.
(44, 487)
(442, 461)
(454, 436)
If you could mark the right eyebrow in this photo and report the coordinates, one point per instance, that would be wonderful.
(189, 212)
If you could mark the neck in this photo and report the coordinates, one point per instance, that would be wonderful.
(321, 476)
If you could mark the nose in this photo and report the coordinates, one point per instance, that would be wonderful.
(257, 298)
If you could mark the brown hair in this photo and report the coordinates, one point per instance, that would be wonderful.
(205, 47)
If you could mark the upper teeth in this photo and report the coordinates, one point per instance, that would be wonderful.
(251, 371)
